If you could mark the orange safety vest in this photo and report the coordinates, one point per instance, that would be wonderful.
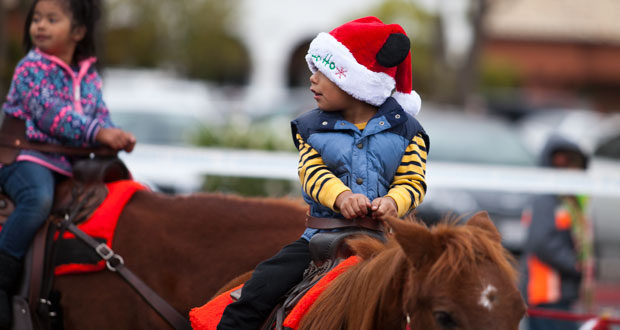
(544, 285)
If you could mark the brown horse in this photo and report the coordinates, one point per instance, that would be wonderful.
(184, 248)
(448, 277)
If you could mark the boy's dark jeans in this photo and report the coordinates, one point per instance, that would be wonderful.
(270, 281)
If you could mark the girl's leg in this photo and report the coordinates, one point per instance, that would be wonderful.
(31, 187)
(270, 281)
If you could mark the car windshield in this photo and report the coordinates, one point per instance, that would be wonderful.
(456, 137)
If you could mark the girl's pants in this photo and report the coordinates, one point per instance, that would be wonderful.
(31, 187)
(270, 281)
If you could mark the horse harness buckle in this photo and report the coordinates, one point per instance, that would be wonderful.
(107, 254)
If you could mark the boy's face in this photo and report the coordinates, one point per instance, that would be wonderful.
(328, 96)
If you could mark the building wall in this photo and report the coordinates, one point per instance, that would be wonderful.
(588, 69)
(273, 29)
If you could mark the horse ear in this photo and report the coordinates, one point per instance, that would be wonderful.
(482, 220)
(419, 244)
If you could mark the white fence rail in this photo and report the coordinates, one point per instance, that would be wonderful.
(185, 167)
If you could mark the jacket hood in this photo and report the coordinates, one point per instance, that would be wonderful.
(557, 143)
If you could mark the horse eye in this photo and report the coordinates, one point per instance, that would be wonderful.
(444, 320)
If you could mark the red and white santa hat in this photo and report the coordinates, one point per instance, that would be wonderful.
(367, 59)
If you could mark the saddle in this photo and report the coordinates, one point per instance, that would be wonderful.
(328, 249)
(79, 196)
(89, 176)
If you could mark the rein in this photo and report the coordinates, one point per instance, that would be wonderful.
(115, 263)
(335, 223)
(569, 316)
(13, 139)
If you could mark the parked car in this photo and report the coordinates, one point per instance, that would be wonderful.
(459, 138)
(159, 109)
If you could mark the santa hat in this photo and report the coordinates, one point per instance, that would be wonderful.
(367, 59)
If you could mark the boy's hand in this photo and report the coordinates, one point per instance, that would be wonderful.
(352, 205)
(116, 139)
(383, 207)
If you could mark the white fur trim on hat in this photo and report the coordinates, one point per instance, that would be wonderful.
(410, 102)
(337, 63)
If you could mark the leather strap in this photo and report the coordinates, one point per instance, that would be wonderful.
(38, 262)
(12, 135)
(335, 223)
(115, 263)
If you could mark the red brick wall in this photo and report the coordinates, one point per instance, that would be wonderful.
(569, 66)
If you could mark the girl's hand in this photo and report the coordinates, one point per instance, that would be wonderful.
(352, 205)
(116, 139)
(383, 207)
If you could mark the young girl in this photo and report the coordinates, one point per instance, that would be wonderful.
(57, 92)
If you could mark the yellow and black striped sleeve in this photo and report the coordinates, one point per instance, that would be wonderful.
(316, 179)
(409, 184)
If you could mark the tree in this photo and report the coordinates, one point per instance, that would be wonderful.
(468, 75)
(419, 26)
(190, 36)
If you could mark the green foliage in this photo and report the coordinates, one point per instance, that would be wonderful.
(273, 136)
(252, 186)
(191, 36)
(209, 51)
(420, 28)
(499, 73)
(264, 135)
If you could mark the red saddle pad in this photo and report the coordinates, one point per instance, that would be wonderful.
(208, 315)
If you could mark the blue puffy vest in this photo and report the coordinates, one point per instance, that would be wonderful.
(365, 161)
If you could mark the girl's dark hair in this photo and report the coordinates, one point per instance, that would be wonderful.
(83, 13)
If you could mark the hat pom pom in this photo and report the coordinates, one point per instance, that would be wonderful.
(411, 102)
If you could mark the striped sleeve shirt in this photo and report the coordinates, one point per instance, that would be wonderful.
(409, 183)
(407, 189)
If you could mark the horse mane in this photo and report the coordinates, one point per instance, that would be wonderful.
(361, 288)
(385, 275)
(467, 246)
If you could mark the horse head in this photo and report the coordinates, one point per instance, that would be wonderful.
(460, 277)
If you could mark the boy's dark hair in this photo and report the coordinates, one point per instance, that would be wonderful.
(83, 13)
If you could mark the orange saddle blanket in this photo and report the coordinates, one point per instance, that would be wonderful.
(208, 316)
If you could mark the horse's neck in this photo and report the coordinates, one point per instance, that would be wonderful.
(373, 300)
(389, 308)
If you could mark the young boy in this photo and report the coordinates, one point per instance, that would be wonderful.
(362, 153)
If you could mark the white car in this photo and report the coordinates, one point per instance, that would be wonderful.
(159, 109)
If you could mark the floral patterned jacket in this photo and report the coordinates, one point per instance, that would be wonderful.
(60, 105)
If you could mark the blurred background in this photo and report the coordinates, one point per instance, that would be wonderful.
(198, 81)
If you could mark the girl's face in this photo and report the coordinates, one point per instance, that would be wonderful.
(328, 96)
(52, 32)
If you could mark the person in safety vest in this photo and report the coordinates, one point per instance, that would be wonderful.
(558, 250)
